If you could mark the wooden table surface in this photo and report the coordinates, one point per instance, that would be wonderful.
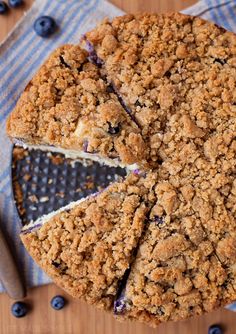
(77, 317)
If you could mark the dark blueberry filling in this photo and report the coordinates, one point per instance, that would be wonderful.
(110, 89)
(113, 130)
(62, 60)
(93, 57)
(138, 172)
(123, 104)
(120, 304)
(31, 228)
(85, 146)
(220, 61)
(158, 220)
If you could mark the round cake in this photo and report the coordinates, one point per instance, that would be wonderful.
(167, 101)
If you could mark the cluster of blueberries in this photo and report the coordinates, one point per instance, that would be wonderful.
(44, 26)
(20, 309)
(12, 3)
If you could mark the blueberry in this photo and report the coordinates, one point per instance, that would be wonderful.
(3, 7)
(159, 220)
(215, 329)
(19, 309)
(58, 302)
(110, 89)
(113, 130)
(45, 26)
(15, 3)
(120, 305)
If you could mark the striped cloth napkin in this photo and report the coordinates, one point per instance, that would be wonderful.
(21, 55)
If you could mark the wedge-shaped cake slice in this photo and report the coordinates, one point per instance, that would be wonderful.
(67, 107)
(175, 275)
(87, 246)
(165, 67)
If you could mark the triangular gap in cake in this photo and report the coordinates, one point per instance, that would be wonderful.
(68, 108)
(87, 246)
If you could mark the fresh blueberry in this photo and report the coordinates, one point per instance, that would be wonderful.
(19, 309)
(15, 3)
(45, 26)
(215, 329)
(113, 130)
(58, 302)
(3, 7)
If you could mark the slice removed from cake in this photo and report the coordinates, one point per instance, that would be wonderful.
(67, 107)
(87, 246)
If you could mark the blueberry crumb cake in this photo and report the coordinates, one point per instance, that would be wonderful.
(69, 108)
(155, 94)
(87, 246)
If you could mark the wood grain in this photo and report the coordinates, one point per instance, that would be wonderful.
(77, 317)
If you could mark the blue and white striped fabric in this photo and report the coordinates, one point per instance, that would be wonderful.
(20, 56)
(221, 12)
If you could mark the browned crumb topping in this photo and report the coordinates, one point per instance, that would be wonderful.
(176, 274)
(177, 75)
(88, 248)
(68, 104)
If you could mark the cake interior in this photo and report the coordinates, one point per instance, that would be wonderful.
(77, 155)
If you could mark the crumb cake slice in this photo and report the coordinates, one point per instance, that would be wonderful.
(67, 107)
(175, 275)
(169, 68)
(87, 246)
